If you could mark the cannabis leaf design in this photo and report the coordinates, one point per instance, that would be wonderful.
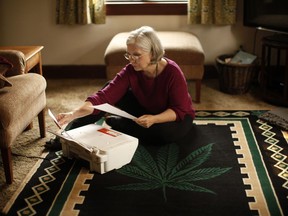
(167, 172)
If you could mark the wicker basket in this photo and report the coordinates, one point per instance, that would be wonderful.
(234, 78)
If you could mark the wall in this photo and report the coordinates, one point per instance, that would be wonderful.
(32, 22)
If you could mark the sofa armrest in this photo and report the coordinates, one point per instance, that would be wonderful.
(17, 58)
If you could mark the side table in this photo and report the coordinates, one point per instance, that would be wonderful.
(274, 69)
(32, 56)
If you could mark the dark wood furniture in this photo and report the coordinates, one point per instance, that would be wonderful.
(274, 69)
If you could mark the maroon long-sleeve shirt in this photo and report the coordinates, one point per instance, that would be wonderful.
(167, 90)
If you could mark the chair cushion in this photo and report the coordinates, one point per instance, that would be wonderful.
(18, 101)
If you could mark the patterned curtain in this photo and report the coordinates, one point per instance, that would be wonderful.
(221, 12)
(80, 11)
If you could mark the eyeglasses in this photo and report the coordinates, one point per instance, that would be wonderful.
(133, 57)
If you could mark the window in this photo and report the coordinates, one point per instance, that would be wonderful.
(155, 1)
(138, 7)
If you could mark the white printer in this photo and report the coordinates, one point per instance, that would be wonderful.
(104, 148)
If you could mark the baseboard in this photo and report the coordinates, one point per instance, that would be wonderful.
(96, 71)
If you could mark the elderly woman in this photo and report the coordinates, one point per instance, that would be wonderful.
(151, 87)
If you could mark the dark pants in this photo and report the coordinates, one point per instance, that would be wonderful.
(156, 134)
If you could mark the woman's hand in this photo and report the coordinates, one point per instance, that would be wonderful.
(84, 110)
(64, 118)
(145, 121)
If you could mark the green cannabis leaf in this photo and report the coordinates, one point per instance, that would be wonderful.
(167, 172)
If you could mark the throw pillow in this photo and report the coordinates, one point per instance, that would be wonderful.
(4, 66)
(277, 117)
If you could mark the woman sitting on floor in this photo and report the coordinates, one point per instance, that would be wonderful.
(151, 87)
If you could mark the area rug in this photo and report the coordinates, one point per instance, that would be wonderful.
(231, 163)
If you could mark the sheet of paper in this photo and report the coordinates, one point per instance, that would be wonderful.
(243, 58)
(54, 118)
(113, 110)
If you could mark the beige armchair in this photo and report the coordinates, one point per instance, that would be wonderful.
(22, 98)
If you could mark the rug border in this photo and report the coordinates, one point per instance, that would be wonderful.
(27, 178)
(263, 178)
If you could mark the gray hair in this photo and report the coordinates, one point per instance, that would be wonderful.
(146, 38)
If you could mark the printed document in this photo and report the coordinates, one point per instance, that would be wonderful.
(113, 110)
